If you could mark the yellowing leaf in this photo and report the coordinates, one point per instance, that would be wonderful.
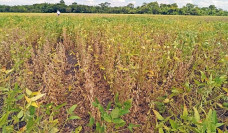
(219, 130)
(225, 89)
(37, 97)
(220, 105)
(54, 130)
(78, 129)
(35, 93)
(69, 88)
(226, 57)
(28, 92)
(166, 100)
(27, 99)
(35, 104)
(9, 71)
(30, 73)
(158, 116)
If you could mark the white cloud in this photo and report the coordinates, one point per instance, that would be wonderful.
(90, 2)
(133, 2)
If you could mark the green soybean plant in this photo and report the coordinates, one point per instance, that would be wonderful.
(189, 123)
(112, 117)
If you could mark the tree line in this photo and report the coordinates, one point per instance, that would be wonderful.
(145, 8)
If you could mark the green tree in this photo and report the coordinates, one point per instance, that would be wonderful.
(62, 2)
(212, 9)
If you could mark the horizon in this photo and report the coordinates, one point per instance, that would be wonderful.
(223, 4)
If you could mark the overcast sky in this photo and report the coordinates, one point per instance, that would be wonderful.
(201, 3)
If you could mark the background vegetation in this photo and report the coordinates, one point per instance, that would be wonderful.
(146, 8)
(170, 73)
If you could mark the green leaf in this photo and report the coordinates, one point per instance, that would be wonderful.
(117, 102)
(196, 115)
(19, 97)
(158, 116)
(219, 125)
(118, 121)
(115, 113)
(160, 130)
(102, 129)
(131, 126)
(109, 105)
(101, 108)
(214, 117)
(117, 126)
(203, 76)
(173, 124)
(78, 129)
(97, 101)
(95, 104)
(16, 86)
(128, 104)
(74, 117)
(33, 99)
(185, 112)
(3, 119)
(72, 108)
(28, 92)
(3, 89)
(123, 112)
(20, 114)
(59, 106)
(107, 117)
(54, 130)
(91, 121)
(98, 127)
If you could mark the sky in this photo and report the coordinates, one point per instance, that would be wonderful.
(201, 3)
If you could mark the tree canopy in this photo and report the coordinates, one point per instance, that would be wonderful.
(145, 8)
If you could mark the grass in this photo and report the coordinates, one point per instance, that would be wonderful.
(165, 64)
